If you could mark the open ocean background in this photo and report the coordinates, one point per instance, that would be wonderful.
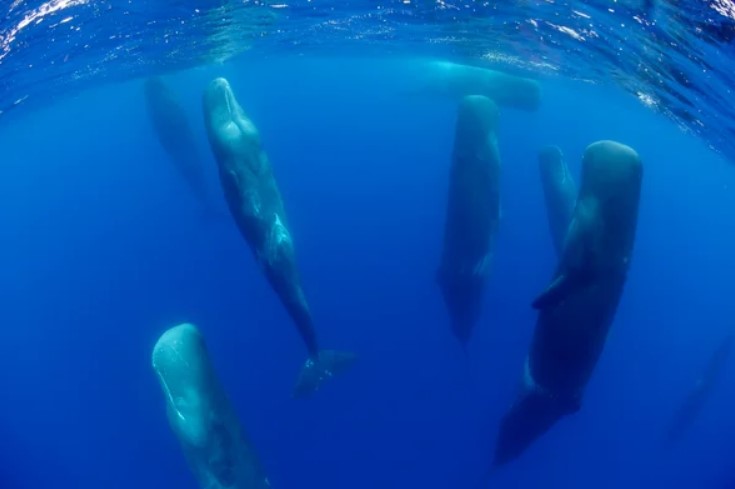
(104, 247)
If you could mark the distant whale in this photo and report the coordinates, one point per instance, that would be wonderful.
(174, 132)
(697, 397)
(560, 193)
(200, 415)
(255, 203)
(473, 213)
(577, 308)
(448, 79)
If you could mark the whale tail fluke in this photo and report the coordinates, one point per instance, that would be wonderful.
(317, 369)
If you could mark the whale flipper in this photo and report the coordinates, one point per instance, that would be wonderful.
(579, 253)
(316, 370)
(554, 293)
(561, 287)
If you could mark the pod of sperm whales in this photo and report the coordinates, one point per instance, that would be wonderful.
(577, 309)
(697, 397)
(200, 414)
(255, 203)
(444, 78)
(560, 193)
(174, 132)
(473, 213)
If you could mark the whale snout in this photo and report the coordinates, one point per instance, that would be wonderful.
(220, 86)
(185, 335)
(611, 168)
(478, 111)
(228, 127)
(477, 117)
(181, 363)
(220, 105)
(219, 101)
(179, 359)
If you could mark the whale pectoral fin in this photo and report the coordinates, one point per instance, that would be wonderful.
(561, 287)
(553, 294)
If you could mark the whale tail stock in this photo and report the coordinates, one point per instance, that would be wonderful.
(317, 369)
(485, 479)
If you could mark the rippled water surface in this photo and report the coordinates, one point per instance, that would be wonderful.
(674, 56)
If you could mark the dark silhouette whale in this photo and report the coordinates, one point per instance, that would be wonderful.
(473, 213)
(174, 132)
(577, 309)
(697, 397)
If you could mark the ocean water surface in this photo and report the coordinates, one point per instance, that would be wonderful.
(105, 246)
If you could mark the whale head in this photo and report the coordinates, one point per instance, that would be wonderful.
(228, 128)
(181, 363)
(611, 171)
(477, 120)
(220, 105)
(477, 116)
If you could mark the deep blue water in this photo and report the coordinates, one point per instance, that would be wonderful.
(104, 247)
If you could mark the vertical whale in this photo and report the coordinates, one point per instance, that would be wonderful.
(560, 193)
(200, 415)
(256, 206)
(576, 311)
(175, 135)
(473, 213)
(698, 395)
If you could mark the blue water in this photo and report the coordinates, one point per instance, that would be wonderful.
(104, 247)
